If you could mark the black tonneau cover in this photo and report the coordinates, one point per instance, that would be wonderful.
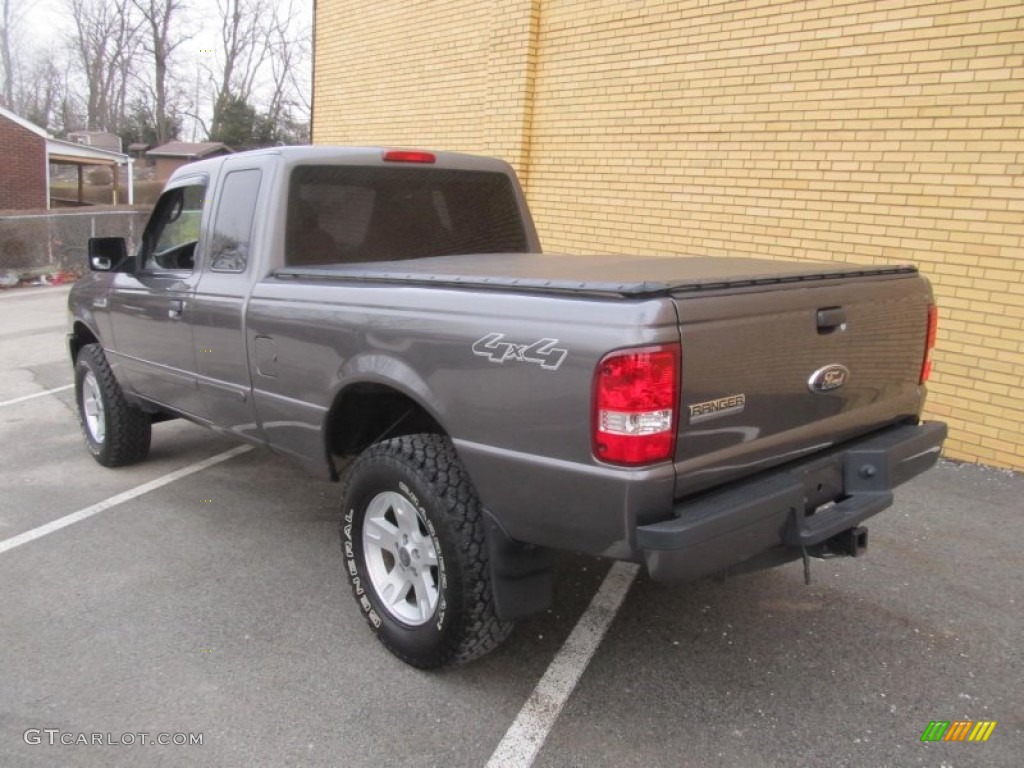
(630, 276)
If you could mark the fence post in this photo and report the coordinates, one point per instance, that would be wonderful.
(49, 240)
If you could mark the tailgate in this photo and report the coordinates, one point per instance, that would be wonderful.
(773, 373)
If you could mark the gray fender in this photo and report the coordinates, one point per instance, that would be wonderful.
(375, 368)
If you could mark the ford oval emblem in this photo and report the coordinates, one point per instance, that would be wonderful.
(828, 378)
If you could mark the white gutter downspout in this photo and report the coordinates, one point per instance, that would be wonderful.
(131, 181)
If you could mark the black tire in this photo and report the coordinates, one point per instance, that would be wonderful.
(122, 432)
(421, 473)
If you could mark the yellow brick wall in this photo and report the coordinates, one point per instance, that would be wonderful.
(402, 73)
(874, 131)
(446, 74)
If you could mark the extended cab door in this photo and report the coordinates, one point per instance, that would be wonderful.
(151, 308)
(231, 266)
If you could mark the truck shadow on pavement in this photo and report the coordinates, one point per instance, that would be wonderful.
(762, 670)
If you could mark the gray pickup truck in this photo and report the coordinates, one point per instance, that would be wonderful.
(387, 318)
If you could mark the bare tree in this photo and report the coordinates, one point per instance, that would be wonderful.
(245, 41)
(257, 78)
(246, 44)
(41, 92)
(289, 51)
(34, 81)
(162, 37)
(9, 18)
(105, 44)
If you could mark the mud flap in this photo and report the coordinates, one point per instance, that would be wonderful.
(520, 573)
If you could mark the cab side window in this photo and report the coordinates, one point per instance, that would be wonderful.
(173, 233)
(232, 231)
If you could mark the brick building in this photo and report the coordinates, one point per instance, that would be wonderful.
(868, 131)
(22, 163)
(27, 153)
(171, 156)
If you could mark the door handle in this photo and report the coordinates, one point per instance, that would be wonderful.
(177, 307)
(830, 318)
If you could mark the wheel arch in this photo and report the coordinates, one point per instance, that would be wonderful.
(366, 411)
(81, 334)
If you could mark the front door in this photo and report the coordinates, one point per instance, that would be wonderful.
(151, 308)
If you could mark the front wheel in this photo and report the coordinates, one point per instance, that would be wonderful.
(416, 553)
(116, 432)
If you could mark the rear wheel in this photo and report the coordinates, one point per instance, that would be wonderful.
(416, 553)
(116, 432)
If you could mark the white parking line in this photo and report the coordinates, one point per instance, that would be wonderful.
(44, 393)
(121, 498)
(526, 735)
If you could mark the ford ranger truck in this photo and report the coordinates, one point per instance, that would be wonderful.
(387, 318)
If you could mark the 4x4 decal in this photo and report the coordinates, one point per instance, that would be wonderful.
(543, 352)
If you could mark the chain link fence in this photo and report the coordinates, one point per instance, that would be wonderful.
(40, 243)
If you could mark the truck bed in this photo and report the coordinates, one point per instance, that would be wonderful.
(754, 332)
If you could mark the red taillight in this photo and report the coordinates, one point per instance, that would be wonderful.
(409, 156)
(636, 396)
(929, 345)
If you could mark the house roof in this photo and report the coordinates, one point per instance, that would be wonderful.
(189, 149)
(24, 123)
(60, 150)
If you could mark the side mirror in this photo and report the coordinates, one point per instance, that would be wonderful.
(106, 253)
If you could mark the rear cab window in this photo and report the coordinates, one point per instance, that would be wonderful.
(353, 214)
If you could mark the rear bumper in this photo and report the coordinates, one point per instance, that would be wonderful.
(768, 519)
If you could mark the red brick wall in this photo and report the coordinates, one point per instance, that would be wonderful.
(22, 167)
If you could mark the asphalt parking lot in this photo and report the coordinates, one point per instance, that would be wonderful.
(216, 604)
